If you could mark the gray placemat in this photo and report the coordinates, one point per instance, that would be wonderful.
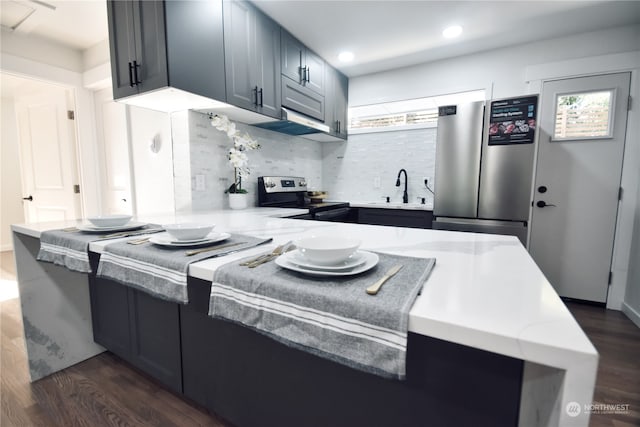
(70, 249)
(331, 317)
(162, 270)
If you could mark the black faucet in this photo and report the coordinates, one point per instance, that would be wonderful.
(405, 196)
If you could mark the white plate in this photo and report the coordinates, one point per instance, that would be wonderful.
(129, 226)
(295, 257)
(165, 239)
(370, 261)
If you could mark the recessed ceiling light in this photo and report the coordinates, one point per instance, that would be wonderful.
(452, 31)
(345, 56)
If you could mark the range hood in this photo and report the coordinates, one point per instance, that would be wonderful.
(293, 123)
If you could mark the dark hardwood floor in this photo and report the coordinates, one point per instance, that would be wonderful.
(104, 391)
(617, 340)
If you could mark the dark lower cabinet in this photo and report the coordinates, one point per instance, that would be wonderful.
(395, 217)
(139, 328)
(251, 380)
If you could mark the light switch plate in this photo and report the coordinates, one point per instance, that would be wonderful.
(200, 185)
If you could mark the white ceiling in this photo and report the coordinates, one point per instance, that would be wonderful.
(382, 34)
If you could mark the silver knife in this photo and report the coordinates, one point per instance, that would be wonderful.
(213, 248)
(131, 233)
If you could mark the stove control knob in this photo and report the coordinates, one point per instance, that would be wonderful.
(270, 184)
(302, 183)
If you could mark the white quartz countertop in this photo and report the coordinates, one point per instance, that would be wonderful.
(393, 205)
(485, 290)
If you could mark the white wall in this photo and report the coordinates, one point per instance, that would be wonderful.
(42, 50)
(631, 306)
(152, 172)
(500, 72)
(11, 211)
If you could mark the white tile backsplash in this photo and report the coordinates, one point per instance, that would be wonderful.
(354, 170)
(364, 168)
(279, 154)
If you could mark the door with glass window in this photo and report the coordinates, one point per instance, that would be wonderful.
(577, 182)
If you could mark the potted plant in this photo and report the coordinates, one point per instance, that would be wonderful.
(238, 159)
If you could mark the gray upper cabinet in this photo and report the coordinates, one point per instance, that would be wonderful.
(252, 49)
(301, 65)
(303, 78)
(157, 44)
(138, 50)
(337, 90)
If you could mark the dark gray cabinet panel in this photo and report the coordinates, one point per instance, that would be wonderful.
(195, 47)
(336, 101)
(150, 64)
(268, 66)
(137, 43)
(252, 49)
(302, 99)
(302, 65)
(395, 217)
(156, 338)
(314, 73)
(110, 316)
(141, 329)
(156, 44)
(292, 52)
(122, 46)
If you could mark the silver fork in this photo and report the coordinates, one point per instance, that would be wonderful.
(138, 241)
(272, 256)
(277, 251)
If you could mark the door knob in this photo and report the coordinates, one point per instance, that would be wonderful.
(542, 204)
(30, 198)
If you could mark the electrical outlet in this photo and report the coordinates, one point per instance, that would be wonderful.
(200, 184)
(376, 182)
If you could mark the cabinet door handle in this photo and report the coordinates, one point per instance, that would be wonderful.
(301, 73)
(255, 92)
(130, 74)
(260, 92)
(30, 198)
(338, 125)
(307, 74)
(136, 81)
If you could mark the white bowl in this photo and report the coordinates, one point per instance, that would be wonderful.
(327, 250)
(188, 230)
(109, 220)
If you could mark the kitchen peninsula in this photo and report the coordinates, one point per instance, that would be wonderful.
(486, 306)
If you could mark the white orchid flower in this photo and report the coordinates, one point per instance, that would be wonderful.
(242, 142)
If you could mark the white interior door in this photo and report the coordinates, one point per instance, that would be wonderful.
(582, 135)
(48, 157)
(113, 143)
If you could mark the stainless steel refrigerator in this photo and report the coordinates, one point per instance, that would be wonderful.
(484, 166)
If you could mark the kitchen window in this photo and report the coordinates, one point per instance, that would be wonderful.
(404, 115)
(584, 115)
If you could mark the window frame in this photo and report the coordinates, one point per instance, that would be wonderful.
(612, 104)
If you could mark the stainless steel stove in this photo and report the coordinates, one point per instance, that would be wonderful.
(290, 192)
